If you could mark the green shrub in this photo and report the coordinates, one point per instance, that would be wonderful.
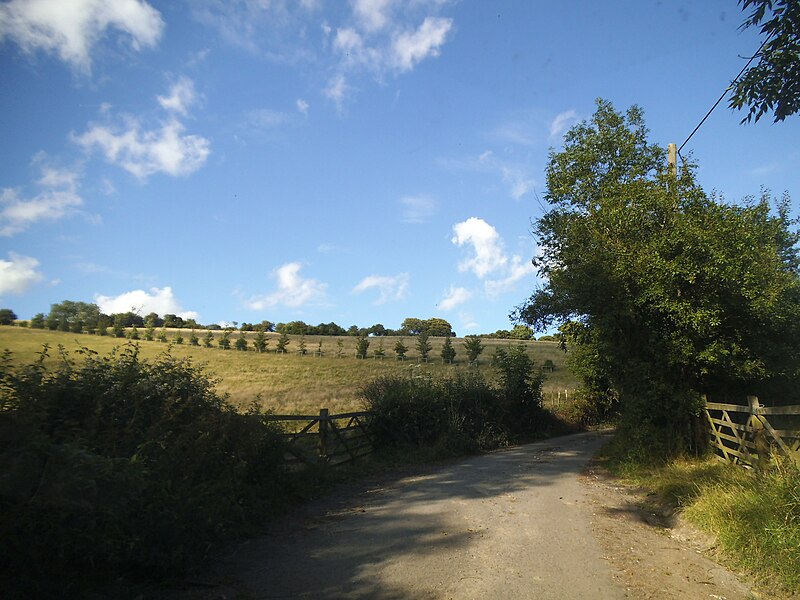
(457, 414)
(224, 342)
(118, 463)
(400, 349)
(241, 342)
(362, 346)
(520, 389)
(406, 411)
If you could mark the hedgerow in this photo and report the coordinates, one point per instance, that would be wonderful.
(117, 464)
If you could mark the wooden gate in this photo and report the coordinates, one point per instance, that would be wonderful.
(748, 434)
(325, 438)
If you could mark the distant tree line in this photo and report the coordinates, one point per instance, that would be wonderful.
(79, 317)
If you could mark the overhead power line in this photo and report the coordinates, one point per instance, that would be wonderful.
(728, 89)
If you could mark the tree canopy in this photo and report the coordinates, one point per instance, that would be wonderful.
(7, 316)
(773, 84)
(676, 293)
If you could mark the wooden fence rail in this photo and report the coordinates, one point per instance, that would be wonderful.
(748, 434)
(327, 439)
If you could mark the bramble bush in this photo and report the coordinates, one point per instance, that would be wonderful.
(116, 464)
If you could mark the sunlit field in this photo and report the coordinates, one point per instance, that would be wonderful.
(293, 383)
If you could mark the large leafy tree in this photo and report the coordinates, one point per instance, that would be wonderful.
(773, 84)
(7, 316)
(676, 293)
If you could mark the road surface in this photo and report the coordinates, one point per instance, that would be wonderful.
(518, 523)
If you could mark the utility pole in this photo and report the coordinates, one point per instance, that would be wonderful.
(672, 160)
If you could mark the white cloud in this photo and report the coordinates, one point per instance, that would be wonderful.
(562, 121)
(158, 300)
(372, 15)
(488, 257)
(302, 106)
(517, 270)
(488, 254)
(514, 174)
(417, 209)
(145, 152)
(181, 96)
(348, 42)
(453, 297)
(410, 48)
(518, 181)
(70, 28)
(468, 322)
(293, 290)
(18, 273)
(389, 288)
(337, 90)
(58, 197)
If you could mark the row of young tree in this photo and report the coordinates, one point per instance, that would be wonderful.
(261, 343)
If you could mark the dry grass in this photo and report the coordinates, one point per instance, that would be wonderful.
(291, 383)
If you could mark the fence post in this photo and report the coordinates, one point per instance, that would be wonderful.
(323, 433)
(759, 438)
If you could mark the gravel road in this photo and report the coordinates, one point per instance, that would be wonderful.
(511, 524)
(538, 521)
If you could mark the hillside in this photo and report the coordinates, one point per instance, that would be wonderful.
(290, 382)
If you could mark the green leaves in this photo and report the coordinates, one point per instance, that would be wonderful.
(773, 84)
(674, 292)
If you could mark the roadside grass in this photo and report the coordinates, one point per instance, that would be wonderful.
(291, 383)
(754, 516)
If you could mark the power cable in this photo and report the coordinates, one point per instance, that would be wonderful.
(728, 89)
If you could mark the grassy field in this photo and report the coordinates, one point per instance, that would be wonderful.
(292, 383)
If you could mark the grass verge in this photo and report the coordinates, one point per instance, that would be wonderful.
(754, 516)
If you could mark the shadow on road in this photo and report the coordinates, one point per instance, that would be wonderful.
(359, 543)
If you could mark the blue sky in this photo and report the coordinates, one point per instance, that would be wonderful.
(358, 162)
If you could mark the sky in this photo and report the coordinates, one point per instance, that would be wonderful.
(356, 161)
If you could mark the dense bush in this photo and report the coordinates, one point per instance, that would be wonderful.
(520, 389)
(460, 414)
(118, 462)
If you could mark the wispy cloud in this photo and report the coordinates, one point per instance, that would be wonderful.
(454, 297)
(302, 106)
(337, 90)
(513, 174)
(417, 209)
(518, 269)
(182, 96)
(57, 198)
(561, 123)
(367, 39)
(293, 289)
(144, 150)
(265, 118)
(411, 47)
(389, 287)
(161, 301)
(18, 273)
(517, 180)
(468, 322)
(71, 29)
